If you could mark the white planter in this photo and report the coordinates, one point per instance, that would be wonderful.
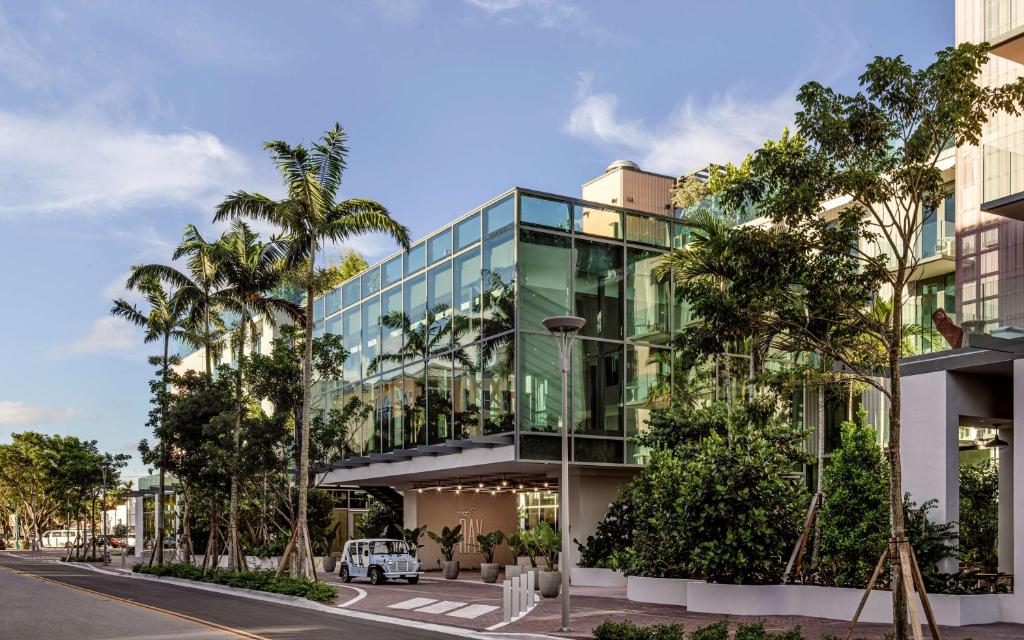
(659, 590)
(591, 577)
(832, 603)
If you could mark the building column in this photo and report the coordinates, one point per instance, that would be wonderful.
(589, 499)
(409, 520)
(1006, 503)
(140, 503)
(1012, 606)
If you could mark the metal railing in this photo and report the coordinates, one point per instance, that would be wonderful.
(1003, 168)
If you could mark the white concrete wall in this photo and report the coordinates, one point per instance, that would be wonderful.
(1013, 603)
(589, 497)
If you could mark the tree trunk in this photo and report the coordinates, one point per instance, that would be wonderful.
(186, 530)
(158, 517)
(304, 562)
(233, 547)
(820, 476)
(899, 598)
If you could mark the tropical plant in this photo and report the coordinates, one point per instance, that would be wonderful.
(488, 542)
(426, 338)
(613, 537)
(410, 536)
(447, 540)
(548, 541)
(310, 215)
(979, 515)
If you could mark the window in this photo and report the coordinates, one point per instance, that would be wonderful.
(440, 246)
(467, 232)
(439, 285)
(497, 400)
(415, 302)
(334, 324)
(648, 372)
(332, 301)
(540, 406)
(467, 297)
(414, 407)
(389, 410)
(647, 298)
(599, 289)
(546, 277)
(498, 299)
(597, 450)
(318, 308)
(539, 447)
(371, 282)
(929, 232)
(391, 333)
(466, 393)
(597, 222)
(391, 271)
(369, 440)
(544, 212)
(439, 401)
(415, 259)
(499, 215)
(350, 293)
(597, 388)
(648, 230)
(352, 340)
(371, 333)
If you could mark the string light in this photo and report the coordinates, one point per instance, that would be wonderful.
(420, 490)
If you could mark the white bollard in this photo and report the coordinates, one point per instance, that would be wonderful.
(531, 600)
(524, 603)
(517, 600)
(506, 597)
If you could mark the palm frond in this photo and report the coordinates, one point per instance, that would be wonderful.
(358, 216)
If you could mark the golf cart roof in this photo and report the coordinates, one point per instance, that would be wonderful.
(374, 540)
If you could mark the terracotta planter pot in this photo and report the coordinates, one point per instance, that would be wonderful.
(451, 569)
(489, 571)
(550, 583)
(512, 571)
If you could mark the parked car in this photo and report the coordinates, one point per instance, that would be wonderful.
(63, 538)
(379, 559)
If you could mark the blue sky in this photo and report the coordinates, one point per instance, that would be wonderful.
(120, 122)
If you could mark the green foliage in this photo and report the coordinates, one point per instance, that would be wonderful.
(626, 630)
(714, 631)
(979, 515)
(606, 548)
(488, 542)
(548, 542)
(254, 580)
(378, 519)
(447, 540)
(412, 536)
(352, 263)
(726, 508)
(931, 540)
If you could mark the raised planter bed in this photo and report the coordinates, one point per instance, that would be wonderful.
(659, 590)
(591, 577)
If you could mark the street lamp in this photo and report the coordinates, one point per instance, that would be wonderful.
(103, 514)
(564, 330)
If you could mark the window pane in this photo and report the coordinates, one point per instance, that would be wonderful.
(318, 308)
(546, 277)
(597, 388)
(599, 289)
(439, 314)
(597, 450)
(499, 215)
(389, 410)
(415, 291)
(413, 407)
(371, 332)
(540, 406)
(929, 231)
(350, 293)
(498, 393)
(498, 308)
(647, 388)
(352, 340)
(648, 230)
(371, 282)
(318, 329)
(332, 301)
(466, 393)
(334, 324)
(391, 272)
(391, 337)
(467, 297)
(647, 298)
(467, 232)
(439, 407)
(597, 222)
(542, 211)
(440, 246)
(415, 259)
(538, 447)
(369, 437)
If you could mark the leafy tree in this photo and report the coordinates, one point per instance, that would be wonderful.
(879, 147)
(309, 216)
(352, 263)
(378, 519)
(979, 515)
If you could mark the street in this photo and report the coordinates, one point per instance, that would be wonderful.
(40, 599)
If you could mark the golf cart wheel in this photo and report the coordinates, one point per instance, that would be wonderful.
(413, 579)
(377, 576)
(345, 577)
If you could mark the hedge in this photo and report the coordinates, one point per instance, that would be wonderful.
(255, 580)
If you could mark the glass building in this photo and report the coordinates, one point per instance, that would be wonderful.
(446, 343)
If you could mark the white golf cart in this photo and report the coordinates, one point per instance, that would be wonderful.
(378, 559)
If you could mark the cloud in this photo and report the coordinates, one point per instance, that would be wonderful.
(722, 129)
(14, 413)
(80, 165)
(545, 14)
(107, 334)
(19, 60)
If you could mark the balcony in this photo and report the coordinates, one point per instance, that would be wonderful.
(1003, 177)
(1004, 28)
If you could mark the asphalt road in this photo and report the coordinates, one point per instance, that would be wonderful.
(54, 609)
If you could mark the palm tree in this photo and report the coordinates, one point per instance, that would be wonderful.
(309, 216)
(250, 269)
(169, 318)
(430, 338)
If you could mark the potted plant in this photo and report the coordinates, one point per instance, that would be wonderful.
(517, 544)
(410, 536)
(548, 542)
(330, 560)
(447, 540)
(487, 543)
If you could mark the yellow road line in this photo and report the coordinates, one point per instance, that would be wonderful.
(174, 614)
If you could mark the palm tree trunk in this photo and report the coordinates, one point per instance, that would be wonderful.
(234, 553)
(206, 332)
(302, 529)
(186, 530)
(158, 519)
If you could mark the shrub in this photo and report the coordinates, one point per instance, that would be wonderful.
(714, 631)
(254, 580)
(626, 630)
(613, 537)
(979, 515)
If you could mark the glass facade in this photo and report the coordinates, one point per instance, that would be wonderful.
(445, 340)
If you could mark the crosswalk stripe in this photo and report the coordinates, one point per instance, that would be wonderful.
(441, 607)
(473, 611)
(415, 603)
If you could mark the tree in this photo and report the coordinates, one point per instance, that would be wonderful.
(250, 268)
(352, 263)
(169, 318)
(879, 147)
(310, 216)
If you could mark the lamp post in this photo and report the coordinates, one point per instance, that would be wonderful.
(564, 330)
(103, 514)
